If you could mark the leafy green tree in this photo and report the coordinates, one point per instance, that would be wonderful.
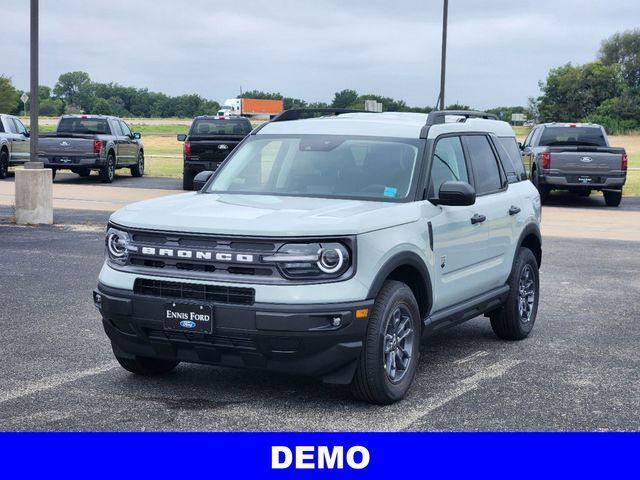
(261, 95)
(8, 95)
(44, 92)
(101, 107)
(571, 93)
(70, 85)
(623, 49)
(51, 107)
(344, 98)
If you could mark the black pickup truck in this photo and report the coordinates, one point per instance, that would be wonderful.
(209, 141)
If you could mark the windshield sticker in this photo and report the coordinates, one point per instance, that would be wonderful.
(390, 191)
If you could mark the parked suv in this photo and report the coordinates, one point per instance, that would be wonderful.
(576, 157)
(208, 143)
(328, 247)
(14, 143)
(82, 143)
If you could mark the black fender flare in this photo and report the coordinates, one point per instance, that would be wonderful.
(529, 229)
(401, 259)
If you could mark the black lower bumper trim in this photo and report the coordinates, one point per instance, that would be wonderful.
(315, 340)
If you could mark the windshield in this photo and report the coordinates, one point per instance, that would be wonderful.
(90, 126)
(321, 166)
(220, 126)
(561, 136)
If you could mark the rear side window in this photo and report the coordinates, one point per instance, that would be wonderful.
(485, 165)
(1, 125)
(581, 136)
(448, 164)
(512, 159)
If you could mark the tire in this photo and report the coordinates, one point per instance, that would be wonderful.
(543, 190)
(138, 169)
(4, 164)
(83, 172)
(395, 313)
(612, 197)
(53, 174)
(147, 366)
(187, 179)
(108, 172)
(511, 322)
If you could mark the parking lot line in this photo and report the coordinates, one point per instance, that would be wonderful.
(466, 385)
(469, 358)
(54, 381)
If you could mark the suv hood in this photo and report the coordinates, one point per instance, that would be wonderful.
(263, 215)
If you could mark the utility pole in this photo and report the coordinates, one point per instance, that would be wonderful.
(443, 64)
(33, 113)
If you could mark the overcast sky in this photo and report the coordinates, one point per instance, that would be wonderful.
(498, 49)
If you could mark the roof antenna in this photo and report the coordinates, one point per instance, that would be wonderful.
(443, 63)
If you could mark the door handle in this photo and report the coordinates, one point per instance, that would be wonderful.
(514, 210)
(477, 218)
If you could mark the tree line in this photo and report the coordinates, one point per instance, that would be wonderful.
(605, 91)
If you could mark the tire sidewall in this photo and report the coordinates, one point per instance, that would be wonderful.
(4, 164)
(525, 257)
(401, 296)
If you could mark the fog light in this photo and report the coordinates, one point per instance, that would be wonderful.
(336, 321)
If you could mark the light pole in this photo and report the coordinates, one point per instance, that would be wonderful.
(443, 64)
(33, 113)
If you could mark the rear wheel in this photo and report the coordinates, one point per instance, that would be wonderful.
(187, 179)
(543, 190)
(612, 197)
(147, 366)
(391, 350)
(138, 169)
(108, 172)
(4, 164)
(515, 319)
(53, 173)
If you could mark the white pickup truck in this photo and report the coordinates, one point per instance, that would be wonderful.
(14, 143)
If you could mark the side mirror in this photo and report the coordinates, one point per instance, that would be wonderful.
(182, 137)
(137, 135)
(201, 179)
(521, 145)
(456, 194)
(27, 133)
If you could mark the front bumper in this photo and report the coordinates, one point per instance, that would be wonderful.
(298, 339)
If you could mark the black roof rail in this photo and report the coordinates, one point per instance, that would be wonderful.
(439, 116)
(298, 113)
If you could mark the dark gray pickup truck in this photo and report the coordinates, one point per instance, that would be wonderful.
(208, 143)
(576, 157)
(83, 143)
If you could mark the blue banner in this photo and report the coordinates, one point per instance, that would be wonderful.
(299, 455)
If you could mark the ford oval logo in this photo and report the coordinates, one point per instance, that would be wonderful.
(187, 324)
(586, 159)
(222, 146)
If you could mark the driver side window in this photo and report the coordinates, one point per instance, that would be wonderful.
(448, 164)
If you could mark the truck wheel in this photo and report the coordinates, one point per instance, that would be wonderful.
(391, 350)
(612, 197)
(187, 179)
(83, 172)
(108, 172)
(4, 164)
(515, 319)
(543, 190)
(147, 366)
(53, 174)
(138, 169)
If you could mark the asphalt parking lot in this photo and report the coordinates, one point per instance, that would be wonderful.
(580, 369)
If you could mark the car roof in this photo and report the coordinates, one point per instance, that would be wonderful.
(385, 124)
(570, 124)
(84, 115)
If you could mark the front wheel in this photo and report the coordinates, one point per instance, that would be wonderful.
(515, 319)
(147, 366)
(391, 350)
(108, 172)
(138, 169)
(612, 197)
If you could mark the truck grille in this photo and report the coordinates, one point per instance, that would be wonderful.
(194, 291)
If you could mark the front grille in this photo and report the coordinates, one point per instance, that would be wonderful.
(194, 291)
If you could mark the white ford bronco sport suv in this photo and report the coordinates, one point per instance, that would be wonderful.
(328, 247)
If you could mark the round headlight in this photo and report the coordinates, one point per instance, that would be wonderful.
(330, 259)
(117, 244)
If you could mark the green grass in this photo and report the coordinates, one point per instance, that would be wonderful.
(163, 167)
